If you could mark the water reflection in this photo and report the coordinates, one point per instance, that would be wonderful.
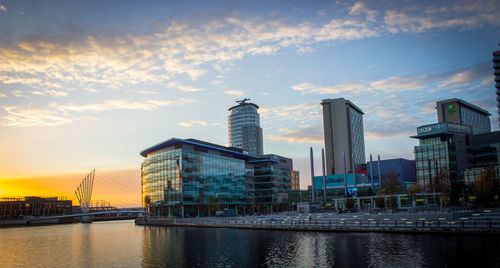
(198, 247)
(123, 244)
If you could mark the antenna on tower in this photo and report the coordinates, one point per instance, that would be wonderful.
(242, 101)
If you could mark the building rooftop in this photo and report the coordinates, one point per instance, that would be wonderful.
(470, 105)
(243, 103)
(346, 101)
(207, 145)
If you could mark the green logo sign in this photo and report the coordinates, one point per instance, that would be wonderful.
(451, 109)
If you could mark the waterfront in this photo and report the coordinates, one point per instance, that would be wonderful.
(123, 244)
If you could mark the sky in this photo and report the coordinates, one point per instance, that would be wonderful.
(89, 84)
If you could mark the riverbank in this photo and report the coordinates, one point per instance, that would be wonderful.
(485, 222)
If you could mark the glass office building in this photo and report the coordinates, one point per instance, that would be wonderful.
(188, 178)
(185, 177)
(273, 181)
(437, 150)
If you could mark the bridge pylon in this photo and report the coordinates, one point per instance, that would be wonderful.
(84, 191)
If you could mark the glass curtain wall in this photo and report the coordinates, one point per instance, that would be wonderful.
(176, 178)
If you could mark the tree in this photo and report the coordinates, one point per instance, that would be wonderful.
(349, 204)
(441, 183)
(147, 202)
(486, 187)
(390, 183)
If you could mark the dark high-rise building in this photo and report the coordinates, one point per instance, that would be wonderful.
(343, 132)
(244, 129)
(496, 67)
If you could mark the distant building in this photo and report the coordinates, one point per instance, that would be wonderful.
(295, 180)
(343, 132)
(496, 67)
(458, 111)
(188, 178)
(244, 129)
(403, 168)
(19, 207)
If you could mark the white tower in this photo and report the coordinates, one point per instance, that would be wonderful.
(243, 126)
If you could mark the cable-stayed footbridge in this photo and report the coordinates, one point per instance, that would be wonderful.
(88, 209)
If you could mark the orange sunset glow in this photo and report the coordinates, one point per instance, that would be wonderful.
(119, 187)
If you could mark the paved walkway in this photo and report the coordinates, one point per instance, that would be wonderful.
(467, 222)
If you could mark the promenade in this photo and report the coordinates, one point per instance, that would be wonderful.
(483, 221)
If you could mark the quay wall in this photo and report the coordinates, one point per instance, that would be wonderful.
(355, 225)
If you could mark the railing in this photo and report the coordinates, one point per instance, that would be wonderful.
(353, 224)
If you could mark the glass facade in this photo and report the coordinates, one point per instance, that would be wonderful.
(443, 128)
(192, 175)
(273, 181)
(480, 123)
(432, 155)
(357, 136)
(185, 178)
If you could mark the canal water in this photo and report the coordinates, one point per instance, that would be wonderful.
(123, 244)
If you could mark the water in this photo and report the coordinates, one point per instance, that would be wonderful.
(122, 244)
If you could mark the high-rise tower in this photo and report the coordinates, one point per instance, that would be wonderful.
(343, 132)
(243, 126)
(496, 66)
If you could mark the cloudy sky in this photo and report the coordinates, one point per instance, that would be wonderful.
(89, 84)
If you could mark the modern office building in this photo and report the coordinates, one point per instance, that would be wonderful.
(458, 148)
(343, 133)
(272, 174)
(244, 129)
(496, 67)
(458, 111)
(187, 178)
(483, 152)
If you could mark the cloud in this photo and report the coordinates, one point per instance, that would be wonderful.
(183, 87)
(119, 104)
(180, 48)
(298, 113)
(146, 92)
(54, 93)
(354, 88)
(28, 117)
(192, 123)
(306, 134)
(479, 74)
(401, 83)
(3, 8)
(238, 93)
(18, 93)
(58, 114)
